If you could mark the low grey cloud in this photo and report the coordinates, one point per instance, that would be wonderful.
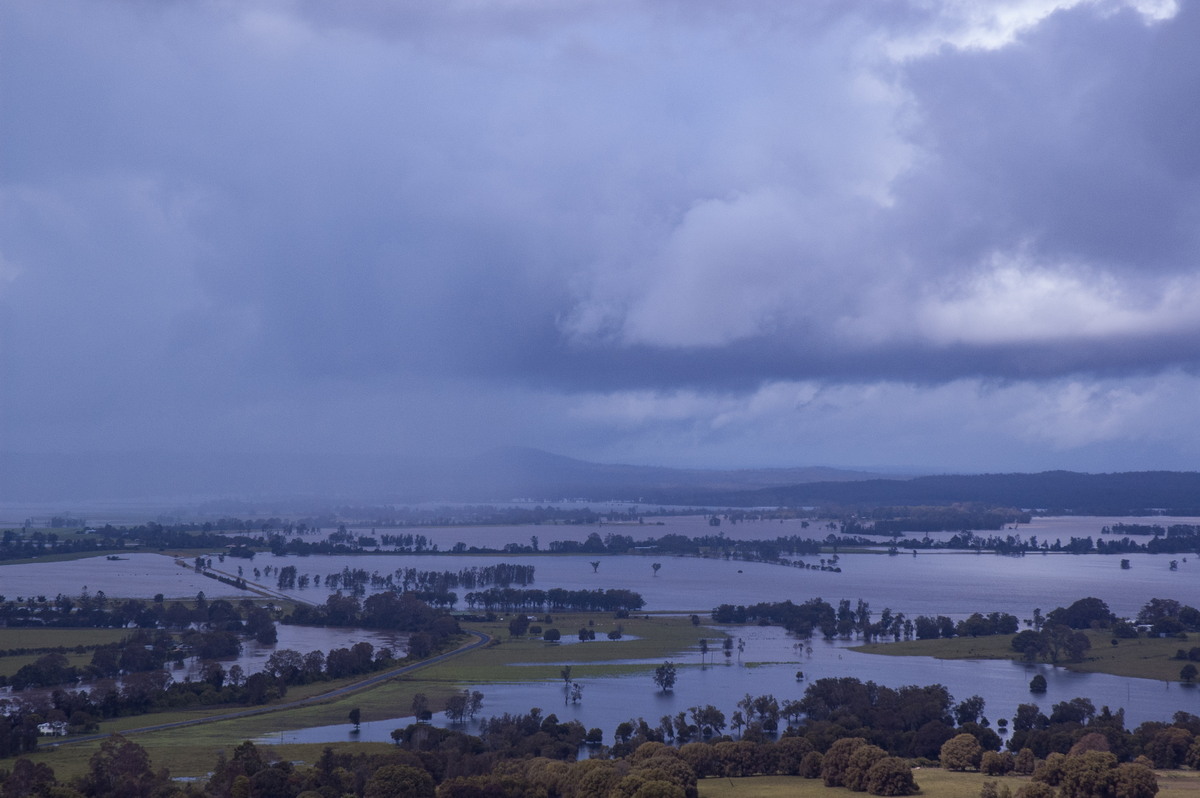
(660, 232)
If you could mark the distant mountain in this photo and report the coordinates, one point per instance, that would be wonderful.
(283, 482)
(532, 473)
(1136, 492)
(499, 475)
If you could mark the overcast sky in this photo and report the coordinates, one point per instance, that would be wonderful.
(943, 234)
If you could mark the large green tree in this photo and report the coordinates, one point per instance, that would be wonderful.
(399, 781)
(837, 760)
(961, 752)
(891, 775)
(664, 676)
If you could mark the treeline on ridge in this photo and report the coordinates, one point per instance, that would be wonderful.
(1056, 492)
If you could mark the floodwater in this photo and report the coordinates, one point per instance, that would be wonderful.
(1044, 528)
(134, 575)
(303, 639)
(945, 583)
(948, 583)
(772, 657)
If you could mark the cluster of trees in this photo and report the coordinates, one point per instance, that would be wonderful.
(430, 629)
(1168, 539)
(282, 546)
(406, 542)
(515, 600)
(471, 515)
(756, 717)
(141, 692)
(15, 545)
(1054, 636)
(1088, 770)
(1013, 544)
(847, 620)
(18, 734)
(209, 630)
(1169, 617)
(858, 766)
(804, 620)
(911, 721)
(1053, 643)
(463, 706)
(895, 521)
(975, 625)
(768, 550)
(98, 611)
(143, 650)
(86, 610)
(356, 580)
(848, 733)
(1057, 636)
(529, 755)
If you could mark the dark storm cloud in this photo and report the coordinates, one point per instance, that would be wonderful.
(300, 225)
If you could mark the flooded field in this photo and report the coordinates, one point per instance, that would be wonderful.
(931, 583)
(772, 658)
(445, 538)
(948, 583)
(134, 575)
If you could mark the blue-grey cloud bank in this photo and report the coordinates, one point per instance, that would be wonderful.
(924, 234)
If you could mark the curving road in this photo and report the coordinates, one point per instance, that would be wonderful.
(481, 639)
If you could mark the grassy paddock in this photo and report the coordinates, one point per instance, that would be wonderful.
(934, 783)
(42, 638)
(1142, 658)
(653, 637)
(65, 556)
(10, 665)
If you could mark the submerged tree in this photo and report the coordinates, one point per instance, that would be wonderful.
(664, 676)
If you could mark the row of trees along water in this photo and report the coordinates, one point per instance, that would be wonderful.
(97, 610)
(855, 532)
(849, 733)
(849, 620)
(357, 580)
(846, 733)
(1056, 636)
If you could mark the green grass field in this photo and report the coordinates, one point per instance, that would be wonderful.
(652, 637)
(41, 638)
(934, 783)
(1142, 658)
